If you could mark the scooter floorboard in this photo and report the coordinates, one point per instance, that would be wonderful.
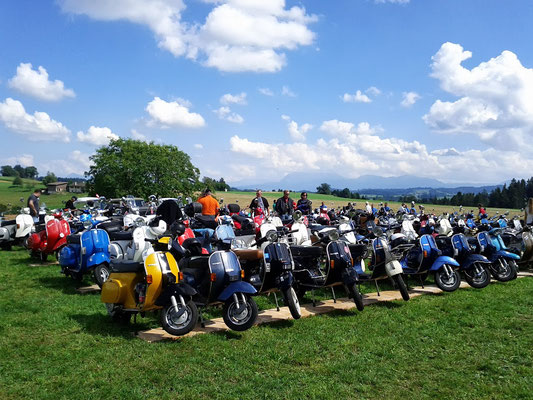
(307, 310)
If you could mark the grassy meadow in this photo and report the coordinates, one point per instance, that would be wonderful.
(471, 344)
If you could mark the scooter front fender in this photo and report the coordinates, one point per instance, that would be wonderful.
(284, 281)
(236, 287)
(349, 276)
(507, 254)
(180, 289)
(440, 261)
(472, 258)
(393, 268)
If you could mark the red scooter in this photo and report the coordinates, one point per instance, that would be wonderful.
(50, 238)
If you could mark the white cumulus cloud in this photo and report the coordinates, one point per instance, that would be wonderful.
(286, 91)
(36, 127)
(229, 98)
(238, 35)
(409, 98)
(495, 98)
(296, 132)
(266, 91)
(174, 113)
(26, 160)
(226, 114)
(358, 97)
(97, 136)
(36, 83)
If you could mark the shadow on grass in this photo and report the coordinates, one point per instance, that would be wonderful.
(228, 335)
(65, 284)
(103, 325)
(387, 304)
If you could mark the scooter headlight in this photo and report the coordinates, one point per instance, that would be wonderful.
(333, 235)
(87, 224)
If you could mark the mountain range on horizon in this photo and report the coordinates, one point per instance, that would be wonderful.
(301, 181)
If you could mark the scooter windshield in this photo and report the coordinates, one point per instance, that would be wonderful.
(224, 232)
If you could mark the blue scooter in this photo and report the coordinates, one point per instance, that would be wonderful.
(503, 263)
(86, 251)
(474, 266)
(428, 259)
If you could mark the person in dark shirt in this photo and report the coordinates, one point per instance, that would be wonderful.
(304, 204)
(259, 202)
(33, 204)
(69, 205)
(285, 205)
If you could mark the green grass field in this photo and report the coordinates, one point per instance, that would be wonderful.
(471, 344)
(11, 195)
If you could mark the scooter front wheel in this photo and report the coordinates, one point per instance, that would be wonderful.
(478, 276)
(445, 282)
(237, 315)
(356, 296)
(503, 270)
(400, 285)
(291, 300)
(179, 323)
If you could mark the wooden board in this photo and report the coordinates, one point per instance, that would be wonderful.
(88, 289)
(308, 310)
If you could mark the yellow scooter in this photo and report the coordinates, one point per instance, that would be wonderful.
(156, 284)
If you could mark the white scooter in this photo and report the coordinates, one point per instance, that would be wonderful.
(135, 245)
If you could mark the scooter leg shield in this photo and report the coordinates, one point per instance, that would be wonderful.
(393, 268)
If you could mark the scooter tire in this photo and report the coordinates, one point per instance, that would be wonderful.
(101, 274)
(400, 285)
(447, 284)
(291, 300)
(117, 314)
(183, 325)
(514, 265)
(478, 282)
(357, 297)
(506, 274)
(239, 324)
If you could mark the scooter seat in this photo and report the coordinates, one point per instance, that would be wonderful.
(112, 226)
(8, 223)
(125, 266)
(249, 255)
(306, 251)
(121, 235)
(73, 239)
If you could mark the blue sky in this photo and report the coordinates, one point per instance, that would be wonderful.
(256, 89)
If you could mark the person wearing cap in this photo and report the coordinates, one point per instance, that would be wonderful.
(209, 203)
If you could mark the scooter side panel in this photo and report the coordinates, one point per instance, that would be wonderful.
(68, 256)
(507, 254)
(236, 287)
(119, 289)
(440, 261)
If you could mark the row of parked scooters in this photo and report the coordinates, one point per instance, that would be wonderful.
(176, 261)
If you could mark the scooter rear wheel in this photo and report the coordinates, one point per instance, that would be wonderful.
(101, 274)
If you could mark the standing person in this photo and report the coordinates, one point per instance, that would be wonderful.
(304, 204)
(209, 203)
(259, 203)
(323, 206)
(285, 205)
(368, 208)
(33, 204)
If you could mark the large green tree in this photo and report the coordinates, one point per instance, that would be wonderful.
(127, 166)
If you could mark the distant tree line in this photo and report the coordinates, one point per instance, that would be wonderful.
(20, 171)
(325, 188)
(215, 185)
(514, 195)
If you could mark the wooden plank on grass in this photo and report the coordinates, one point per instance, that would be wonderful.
(88, 289)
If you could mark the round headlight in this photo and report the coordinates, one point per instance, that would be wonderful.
(333, 235)
(87, 224)
(272, 236)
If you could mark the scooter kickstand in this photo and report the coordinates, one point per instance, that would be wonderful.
(333, 293)
(276, 298)
(313, 297)
(377, 287)
(421, 281)
(202, 320)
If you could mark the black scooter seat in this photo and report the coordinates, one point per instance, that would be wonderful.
(122, 235)
(73, 239)
(306, 251)
(120, 266)
(40, 228)
(7, 223)
(357, 250)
